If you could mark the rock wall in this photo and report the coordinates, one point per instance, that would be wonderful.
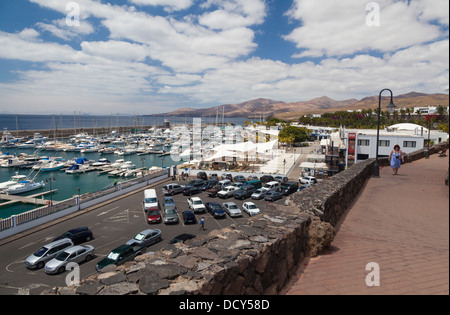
(252, 259)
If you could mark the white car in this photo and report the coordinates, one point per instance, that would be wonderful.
(196, 205)
(227, 192)
(250, 208)
(308, 180)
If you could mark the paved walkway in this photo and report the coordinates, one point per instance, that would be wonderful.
(399, 222)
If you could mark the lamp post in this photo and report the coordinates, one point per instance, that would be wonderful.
(391, 108)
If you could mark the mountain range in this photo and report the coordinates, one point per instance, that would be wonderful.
(263, 108)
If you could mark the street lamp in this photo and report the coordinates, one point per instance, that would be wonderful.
(391, 108)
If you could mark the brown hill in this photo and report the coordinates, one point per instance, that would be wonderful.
(263, 108)
(409, 100)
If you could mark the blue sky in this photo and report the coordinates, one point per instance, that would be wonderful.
(155, 56)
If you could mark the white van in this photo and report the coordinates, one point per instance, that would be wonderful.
(150, 200)
(272, 186)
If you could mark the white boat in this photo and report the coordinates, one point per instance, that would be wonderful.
(77, 168)
(12, 181)
(23, 186)
(13, 162)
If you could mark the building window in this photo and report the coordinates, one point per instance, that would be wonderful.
(409, 144)
(384, 143)
(364, 143)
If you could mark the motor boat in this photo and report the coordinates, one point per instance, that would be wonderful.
(77, 168)
(23, 186)
(12, 181)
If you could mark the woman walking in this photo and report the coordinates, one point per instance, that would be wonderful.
(396, 158)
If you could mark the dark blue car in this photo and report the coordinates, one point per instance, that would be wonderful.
(215, 209)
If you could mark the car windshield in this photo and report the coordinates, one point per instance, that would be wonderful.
(63, 256)
(113, 256)
(285, 186)
(232, 207)
(150, 200)
(215, 207)
(139, 237)
(252, 207)
(197, 202)
(153, 212)
(41, 251)
(170, 211)
(169, 201)
(258, 191)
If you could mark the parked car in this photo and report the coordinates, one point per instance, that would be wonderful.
(76, 254)
(189, 217)
(239, 178)
(182, 238)
(196, 182)
(191, 190)
(266, 178)
(304, 186)
(215, 209)
(252, 178)
(228, 176)
(308, 180)
(202, 175)
(281, 179)
(78, 235)
(212, 192)
(250, 208)
(168, 202)
(273, 195)
(39, 258)
(196, 205)
(172, 189)
(146, 238)
(210, 183)
(227, 192)
(119, 256)
(232, 209)
(289, 188)
(244, 192)
(272, 186)
(258, 194)
(170, 214)
(153, 216)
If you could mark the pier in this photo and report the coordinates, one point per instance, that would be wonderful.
(26, 199)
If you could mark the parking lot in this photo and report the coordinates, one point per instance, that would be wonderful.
(112, 224)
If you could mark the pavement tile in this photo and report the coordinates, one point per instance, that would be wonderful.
(400, 222)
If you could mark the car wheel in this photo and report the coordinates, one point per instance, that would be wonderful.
(88, 257)
(61, 269)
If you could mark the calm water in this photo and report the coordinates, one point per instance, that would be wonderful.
(33, 122)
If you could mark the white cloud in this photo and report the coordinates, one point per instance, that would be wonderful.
(338, 28)
(170, 5)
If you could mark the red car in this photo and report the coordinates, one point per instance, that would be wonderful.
(153, 216)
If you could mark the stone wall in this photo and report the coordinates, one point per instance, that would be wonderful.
(256, 258)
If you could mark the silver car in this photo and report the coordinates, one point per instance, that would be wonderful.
(46, 253)
(146, 238)
(259, 194)
(76, 254)
(232, 209)
(170, 214)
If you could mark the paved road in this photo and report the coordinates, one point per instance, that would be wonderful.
(112, 224)
(399, 222)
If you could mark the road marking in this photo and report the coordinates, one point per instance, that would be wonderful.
(105, 212)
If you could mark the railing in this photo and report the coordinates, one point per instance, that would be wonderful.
(38, 213)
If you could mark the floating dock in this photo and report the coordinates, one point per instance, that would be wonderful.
(26, 199)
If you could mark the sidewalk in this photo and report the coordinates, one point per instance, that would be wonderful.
(399, 222)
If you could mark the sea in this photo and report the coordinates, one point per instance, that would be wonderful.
(67, 185)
